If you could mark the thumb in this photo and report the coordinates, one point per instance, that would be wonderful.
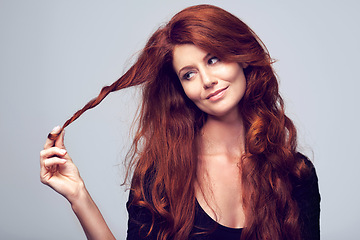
(60, 140)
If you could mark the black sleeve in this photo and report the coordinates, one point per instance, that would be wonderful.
(139, 223)
(307, 195)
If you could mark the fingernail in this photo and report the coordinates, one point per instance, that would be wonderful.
(62, 151)
(63, 160)
(56, 128)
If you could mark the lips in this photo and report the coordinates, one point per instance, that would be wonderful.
(217, 94)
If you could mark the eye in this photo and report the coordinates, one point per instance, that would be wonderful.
(213, 60)
(188, 75)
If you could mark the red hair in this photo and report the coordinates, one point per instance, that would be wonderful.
(164, 153)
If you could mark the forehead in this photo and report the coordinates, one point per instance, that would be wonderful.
(187, 54)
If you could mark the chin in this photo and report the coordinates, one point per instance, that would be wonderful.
(234, 113)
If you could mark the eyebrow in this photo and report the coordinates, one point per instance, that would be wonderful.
(190, 66)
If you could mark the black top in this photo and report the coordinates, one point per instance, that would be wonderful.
(306, 193)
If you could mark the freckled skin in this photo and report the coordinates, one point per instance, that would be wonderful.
(202, 74)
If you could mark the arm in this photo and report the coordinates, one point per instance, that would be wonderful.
(138, 216)
(311, 208)
(307, 195)
(58, 171)
(90, 217)
(140, 221)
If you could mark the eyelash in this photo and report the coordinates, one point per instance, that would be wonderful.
(186, 75)
(212, 58)
(210, 62)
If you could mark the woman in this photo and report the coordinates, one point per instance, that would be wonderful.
(214, 156)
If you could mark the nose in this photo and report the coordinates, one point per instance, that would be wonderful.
(208, 80)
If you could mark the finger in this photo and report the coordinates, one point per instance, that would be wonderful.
(50, 162)
(60, 141)
(50, 143)
(50, 167)
(50, 152)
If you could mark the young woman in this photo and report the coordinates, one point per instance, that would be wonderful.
(215, 156)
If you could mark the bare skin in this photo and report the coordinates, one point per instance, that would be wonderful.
(216, 87)
(58, 171)
(218, 188)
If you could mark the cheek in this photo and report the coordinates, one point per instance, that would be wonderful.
(239, 83)
(191, 91)
(230, 72)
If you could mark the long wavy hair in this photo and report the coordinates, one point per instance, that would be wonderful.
(163, 158)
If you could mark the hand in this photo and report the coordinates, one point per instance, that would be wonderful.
(57, 170)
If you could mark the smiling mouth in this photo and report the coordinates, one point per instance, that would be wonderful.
(217, 94)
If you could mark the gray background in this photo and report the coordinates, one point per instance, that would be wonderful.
(56, 55)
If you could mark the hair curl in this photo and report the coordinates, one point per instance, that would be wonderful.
(164, 152)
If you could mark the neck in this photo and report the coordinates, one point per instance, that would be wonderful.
(224, 135)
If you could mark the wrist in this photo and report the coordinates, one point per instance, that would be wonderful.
(79, 197)
(89, 216)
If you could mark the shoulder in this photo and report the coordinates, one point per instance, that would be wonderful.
(139, 220)
(307, 183)
(143, 222)
(306, 188)
(308, 174)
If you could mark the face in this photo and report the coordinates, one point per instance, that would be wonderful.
(216, 87)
